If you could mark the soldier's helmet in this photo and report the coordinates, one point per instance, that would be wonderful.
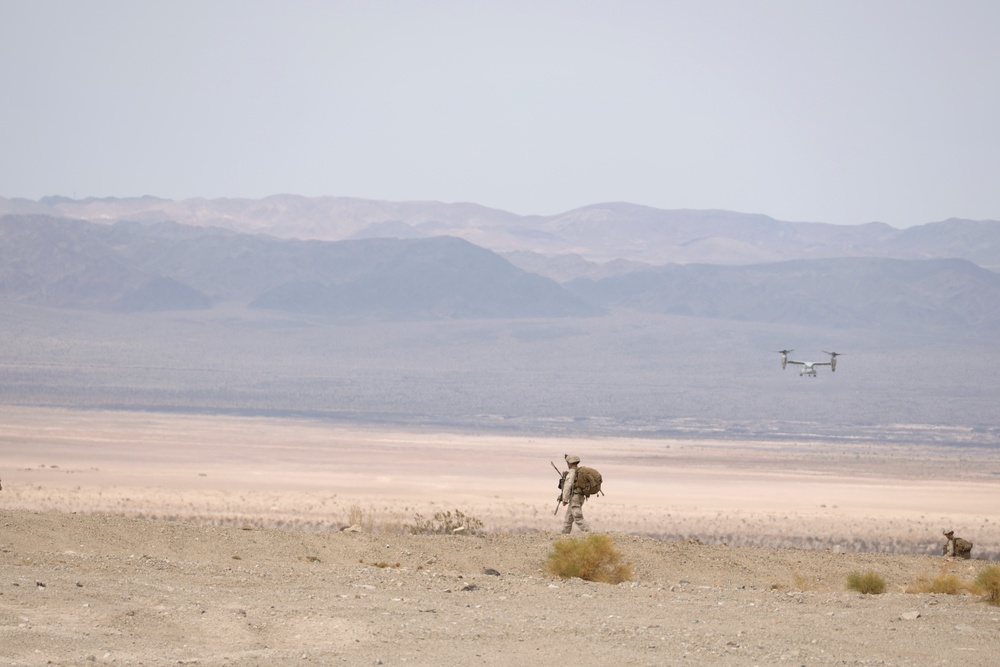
(572, 458)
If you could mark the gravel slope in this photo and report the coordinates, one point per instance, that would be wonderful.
(80, 589)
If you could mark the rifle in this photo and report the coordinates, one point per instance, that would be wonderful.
(562, 480)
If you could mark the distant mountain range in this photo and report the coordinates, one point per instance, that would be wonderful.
(890, 294)
(160, 266)
(587, 238)
(131, 267)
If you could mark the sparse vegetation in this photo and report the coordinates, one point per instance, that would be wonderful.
(868, 583)
(374, 520)
(362, 518)
(593, 558)
(945, 583)
(445, 523)
(988, 581)
(799, 583)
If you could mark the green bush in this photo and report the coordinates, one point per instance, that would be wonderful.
(446, 523)
(867, 583)
(989, 581)
(593, 558)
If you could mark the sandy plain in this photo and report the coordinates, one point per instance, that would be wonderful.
(149, 538)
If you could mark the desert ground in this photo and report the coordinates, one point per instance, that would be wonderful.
(151, 538)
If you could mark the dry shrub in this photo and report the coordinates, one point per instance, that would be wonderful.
(593, 558)
(945, 583)
(446, 523)
(372, 520)
(988, 580)
(866, 582)
(362, 518)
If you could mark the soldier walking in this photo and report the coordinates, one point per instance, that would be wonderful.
(572, 497)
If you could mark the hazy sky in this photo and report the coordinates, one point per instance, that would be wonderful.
(807, 110)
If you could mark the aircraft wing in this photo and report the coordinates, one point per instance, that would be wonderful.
(800, 363)
(822, 363)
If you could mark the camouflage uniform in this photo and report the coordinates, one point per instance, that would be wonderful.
(575, 500)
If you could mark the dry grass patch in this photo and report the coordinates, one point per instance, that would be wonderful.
(372, 520)
(446, 523)
(800, 582)
(945, 583)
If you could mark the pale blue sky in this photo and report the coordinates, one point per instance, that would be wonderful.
(831, 111)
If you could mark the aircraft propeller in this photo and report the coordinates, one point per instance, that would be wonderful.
(833, 359)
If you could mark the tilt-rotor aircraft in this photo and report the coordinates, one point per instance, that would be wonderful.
(809, 367)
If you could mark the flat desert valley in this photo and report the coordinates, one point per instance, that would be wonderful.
(317, 475)
(161, 538)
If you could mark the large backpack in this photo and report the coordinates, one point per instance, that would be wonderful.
(963, 548)
(588, 481)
